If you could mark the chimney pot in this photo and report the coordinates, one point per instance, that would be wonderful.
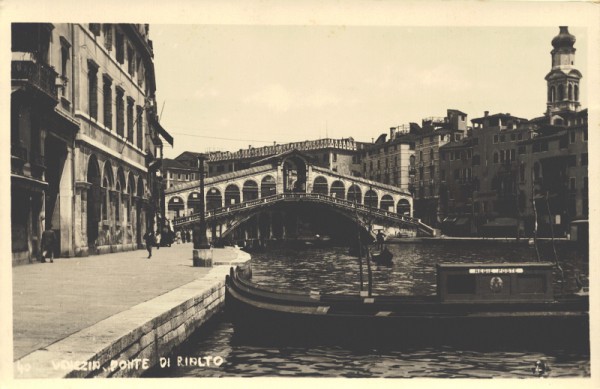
(486, 113)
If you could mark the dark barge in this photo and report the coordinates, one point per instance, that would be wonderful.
(477, 304)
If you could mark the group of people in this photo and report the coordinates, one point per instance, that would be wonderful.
(183, 236)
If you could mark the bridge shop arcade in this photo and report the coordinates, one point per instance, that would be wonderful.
(278, 196)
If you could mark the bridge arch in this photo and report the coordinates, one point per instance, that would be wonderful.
(338, 189)
(214, 199)
(387, 203)
(320, 185)
(250, 190)
(232, 195)
(268, 186)
(371, 199)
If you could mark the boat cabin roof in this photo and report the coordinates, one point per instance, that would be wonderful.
(495, 282)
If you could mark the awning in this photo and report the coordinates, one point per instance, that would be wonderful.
(154, 123)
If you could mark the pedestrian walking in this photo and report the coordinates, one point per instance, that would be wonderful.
(183, 236)
(157, 239)
(178, 237)
(188, 235)
(48, 244)
(149, 238)
(380, 239)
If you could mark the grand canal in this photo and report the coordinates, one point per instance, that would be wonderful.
(332, 270)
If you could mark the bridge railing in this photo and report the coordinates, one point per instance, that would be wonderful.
(288, 196)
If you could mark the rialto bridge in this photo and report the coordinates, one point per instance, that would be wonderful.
(280, 191)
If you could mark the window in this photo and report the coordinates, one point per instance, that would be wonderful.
(572, 184)
(476, 160)
(119, 47)
(572, 137)
(451, 154)
(513, 136)
(107, 94)
(95, 28)
(371, 165)
(140, 127)
(120, 107)
(520, 136)
(443, 175)
(93, 90)
(130, 103)
(502, 138)
(584, 159)
(334, 157)
(421, 156)
(395, 160)
(378, 164)
(522, 172)
(458, 137)
(108, 36)
(456, 174)
(469, 154)
(561, 92)
(585, 135)
(495, 157)
(431, 154)
(495, 138)
(187, 177)
(64, 64)
(544, 145)
(131, 61)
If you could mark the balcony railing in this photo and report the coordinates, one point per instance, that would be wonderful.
(38, 75)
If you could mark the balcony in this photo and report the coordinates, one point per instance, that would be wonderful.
(39, 76)
(18, 155)
(38, 165)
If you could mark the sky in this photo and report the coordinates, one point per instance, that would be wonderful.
(225, 87)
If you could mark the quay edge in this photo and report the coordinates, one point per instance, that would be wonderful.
(149, 330)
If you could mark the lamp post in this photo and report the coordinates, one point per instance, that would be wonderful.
(202, 254)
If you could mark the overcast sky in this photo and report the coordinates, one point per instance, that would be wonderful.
(252, 85)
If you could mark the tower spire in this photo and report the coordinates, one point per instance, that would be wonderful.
(563, 79)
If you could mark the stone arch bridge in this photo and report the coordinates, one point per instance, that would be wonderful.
(290, 178)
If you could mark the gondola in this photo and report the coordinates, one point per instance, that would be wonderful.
(475, 303)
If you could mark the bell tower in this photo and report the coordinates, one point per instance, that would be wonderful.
(563, 79)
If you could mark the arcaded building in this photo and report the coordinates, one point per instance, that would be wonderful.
(85, 139)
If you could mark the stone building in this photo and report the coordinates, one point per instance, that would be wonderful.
(517, 163)
(392, 161)
(84, 136)
(435, 133)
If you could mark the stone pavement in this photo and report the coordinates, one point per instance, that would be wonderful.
(54, 300)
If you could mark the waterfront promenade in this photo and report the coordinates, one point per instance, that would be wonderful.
(53, 301)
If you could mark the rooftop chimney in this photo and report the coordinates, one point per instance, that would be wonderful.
(486, 113)
(392, 132)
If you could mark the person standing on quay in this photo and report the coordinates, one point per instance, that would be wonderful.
(149, 238)
(48, 244)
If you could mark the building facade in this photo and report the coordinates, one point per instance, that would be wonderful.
(93, 173)
(524, 171)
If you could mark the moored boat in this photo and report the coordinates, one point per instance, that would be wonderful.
(475, 303)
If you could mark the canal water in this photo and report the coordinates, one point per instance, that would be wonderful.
(332, 270)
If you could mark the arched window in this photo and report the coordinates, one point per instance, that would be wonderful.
(403, 207)
(354, 194)
(232, 195)
(213, 199)
(193, 203)
(250, 190)
(338, 190)
(495, 157)
(552, 94)
(371, 199)
(268, 186)
(387, 203)
(561, 92)
(320, 185)
(175, 207)
(576, 90)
